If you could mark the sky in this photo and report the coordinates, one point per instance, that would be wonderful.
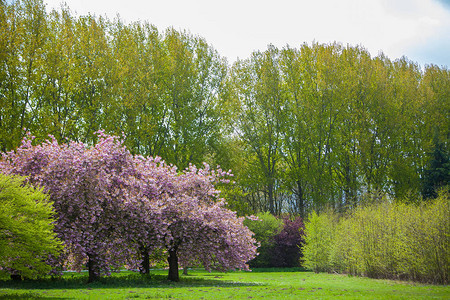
(418, 29)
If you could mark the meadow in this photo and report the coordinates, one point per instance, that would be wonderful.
(199, 284)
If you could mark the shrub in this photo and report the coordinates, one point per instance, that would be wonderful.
(319, 230)
(383, 240)
(376, 236)
(428, 242)
(265, 229)
(287, 249)
(26, 230)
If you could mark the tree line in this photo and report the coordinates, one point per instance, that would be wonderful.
(302, 128)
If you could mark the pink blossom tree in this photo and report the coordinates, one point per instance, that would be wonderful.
(199, 227)
(105, 198)
(87, 186)
(145, 227)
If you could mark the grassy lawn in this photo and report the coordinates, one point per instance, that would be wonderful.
(199, 284)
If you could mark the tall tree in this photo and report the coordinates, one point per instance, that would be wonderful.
(258, 117)
(194, 78)
(23, 38)
(136, 107)
(57, 112)
(437, 173)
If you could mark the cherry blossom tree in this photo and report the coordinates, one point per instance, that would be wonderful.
(87, 186)
(143, 213)
(211, 235)
(105, 198)
(199, 227)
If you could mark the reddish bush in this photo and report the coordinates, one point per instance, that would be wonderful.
(287, 249)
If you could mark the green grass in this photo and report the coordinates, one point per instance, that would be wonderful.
(259, 284)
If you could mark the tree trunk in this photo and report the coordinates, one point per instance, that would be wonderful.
(300, 200)
(94, 271)
(145, 267)
(185, 271)
(271, 200)
(173, 265)
(350, 195)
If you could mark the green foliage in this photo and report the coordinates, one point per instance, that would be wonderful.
(70, 76)
(437, 173)
(430, 242)
(384, 240)
(26, 229)
(342, 123)
(320, 234)
(302, 128)
(265, 229)
(258, 120)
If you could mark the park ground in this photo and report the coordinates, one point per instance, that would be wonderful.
(199, 284)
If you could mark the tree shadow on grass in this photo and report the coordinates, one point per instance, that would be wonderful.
(283, 270)
(13, 296)
(121, 281)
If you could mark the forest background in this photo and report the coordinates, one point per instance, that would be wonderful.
(302, 129)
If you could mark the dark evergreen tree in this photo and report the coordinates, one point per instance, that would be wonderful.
(437, 173)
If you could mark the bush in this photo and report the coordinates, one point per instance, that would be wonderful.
(375, 234)
(319, 238)
(26, 230)
(265, 229)
(287, 250)
(280, 241)
(384, 240)
(428, 242)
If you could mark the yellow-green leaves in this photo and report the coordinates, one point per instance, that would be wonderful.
(320, 235)
(383, 240)
(26, 230)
